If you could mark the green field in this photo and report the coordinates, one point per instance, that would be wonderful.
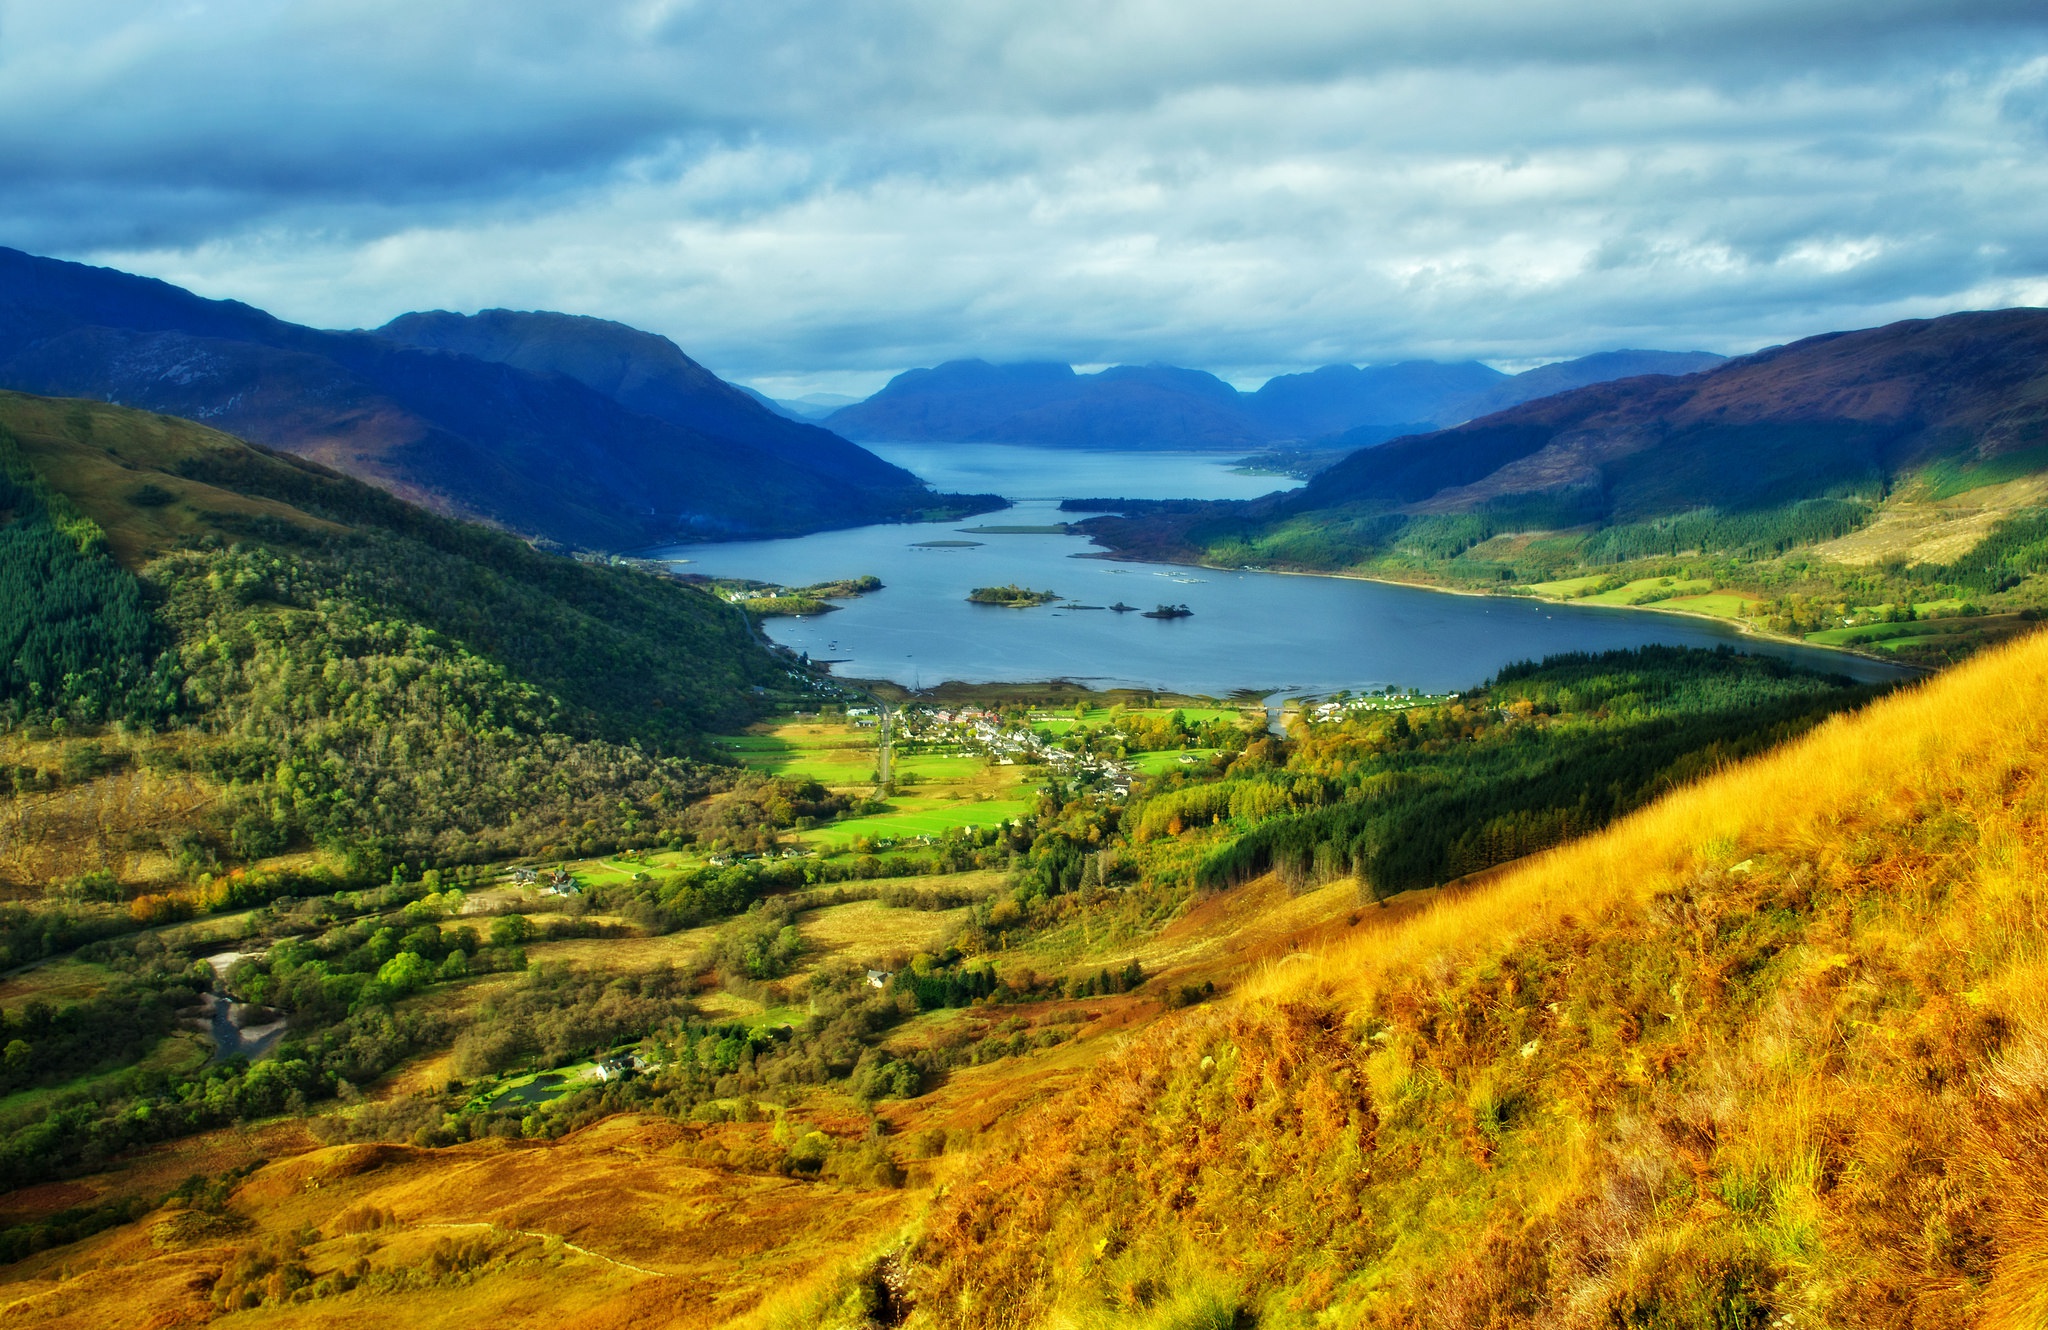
(1154, 764)
(1891, 636)
(1056, 724)
(915, 814)
(944, 768)
(1879, 634)
(1565, 588)
(1722, 604)
(829, 752)
(1642, 591)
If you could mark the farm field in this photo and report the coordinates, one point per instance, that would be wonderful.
(869, 932)
(1891, 636)
(834, 753)
(1154, 764)
(1064, 722)
(1721, 604)
(921, 811)
(1644, 590)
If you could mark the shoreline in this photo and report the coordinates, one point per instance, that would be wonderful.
(1739, 625)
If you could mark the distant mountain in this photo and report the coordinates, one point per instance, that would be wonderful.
(1564, 375)
(580, 430)
(1831, 413)
(643, 372)
(1336, 398)
(1158, 406)
(811, 406)
(972, 401)
(1777, 443)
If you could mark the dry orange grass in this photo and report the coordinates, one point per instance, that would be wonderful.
(1774, 1047)
(620, 1224)
(869, 931)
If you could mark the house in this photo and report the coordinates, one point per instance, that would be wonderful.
(560, 883)
(524, 877)
(620, 1067)
(879, 978)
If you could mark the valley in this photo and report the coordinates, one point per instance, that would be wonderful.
(405, 918)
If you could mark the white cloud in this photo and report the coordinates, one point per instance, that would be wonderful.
(800, 190)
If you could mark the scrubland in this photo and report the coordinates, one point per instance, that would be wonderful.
(1769, 1051)
(1772, 1051)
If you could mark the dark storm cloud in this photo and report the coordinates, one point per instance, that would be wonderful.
(792, 187)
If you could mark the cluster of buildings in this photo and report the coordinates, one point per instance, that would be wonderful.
(981, 731)
(1329, 711)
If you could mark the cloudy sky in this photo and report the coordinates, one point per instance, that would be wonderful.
(812, 196)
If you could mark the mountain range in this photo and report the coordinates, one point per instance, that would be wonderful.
(1850, 415)
(1166, 407)
(1830, 414)
(576, 429)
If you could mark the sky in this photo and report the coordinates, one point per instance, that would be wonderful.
(812, 196)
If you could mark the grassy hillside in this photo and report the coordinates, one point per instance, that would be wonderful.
(339, 669)
(1766, 1049)
(1767, 1053)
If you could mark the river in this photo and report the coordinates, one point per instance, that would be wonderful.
(1248, 632)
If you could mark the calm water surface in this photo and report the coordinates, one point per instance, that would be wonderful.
(1263, 632)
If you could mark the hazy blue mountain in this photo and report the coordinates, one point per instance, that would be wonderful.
(1163, 407)
(537, 451)
(1336, 398)
(1565, 375)
(811, 406)
(960, 401)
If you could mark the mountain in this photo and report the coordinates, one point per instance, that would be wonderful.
(1160, 406)
(1337, 398)
(1835, 414)
(1564, 375)
(580, 430)
(811, 406)
(1884, 489)
(646, 373)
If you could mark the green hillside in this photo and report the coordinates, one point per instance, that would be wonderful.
(353, 674)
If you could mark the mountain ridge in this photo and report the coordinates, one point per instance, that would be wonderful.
(536, 451)
(1336, 407)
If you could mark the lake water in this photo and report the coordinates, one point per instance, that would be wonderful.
(1262, 632)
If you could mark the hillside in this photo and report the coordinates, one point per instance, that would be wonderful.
(648, 374)
(536, 450)
(1859, 484)
(1337, 407)
(299, 661)
(1766, 1049)
(822, 1035)
(1768, 1053)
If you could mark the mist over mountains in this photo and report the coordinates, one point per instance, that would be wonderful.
(1166, 407)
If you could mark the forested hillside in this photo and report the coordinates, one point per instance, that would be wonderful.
(347, 671)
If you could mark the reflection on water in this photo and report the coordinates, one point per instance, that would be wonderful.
(1264, 632)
